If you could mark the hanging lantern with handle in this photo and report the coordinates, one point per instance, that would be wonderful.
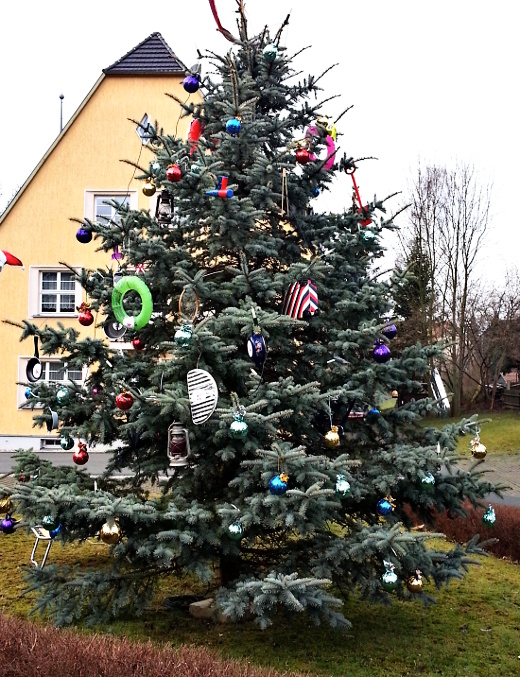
(178, 445)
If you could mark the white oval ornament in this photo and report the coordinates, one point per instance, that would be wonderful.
(129, 322)
(203, 394)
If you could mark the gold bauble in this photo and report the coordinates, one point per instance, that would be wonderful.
(414, 583)
(110, 532)
(331, 439)
(6, 504)
(395, 393)
(479, 450)
(148, 188)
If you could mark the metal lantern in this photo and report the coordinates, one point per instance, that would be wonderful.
(178, 445)
(164, 208)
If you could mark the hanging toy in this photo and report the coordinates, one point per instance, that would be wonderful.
(124, 400)
(329, 142)
(178, 445)
(164, 208)
(183, 335)
(222, 190)
(203, 395)
(301, 300)
(415, 583)
(125, 284)
(194, 134)
(489, 517)
(385, 506)
(342, 488)
(10, 260)
(148, 187)
(390, 331)
(66, 443)
(233, 126)
(80, 456)
(350, 168)
(85, 316)
(84, 235)
(238, 429)
(381, 352)
(389, 578)
(173, 173)
(110, 532)
(278, 484)
(478, 450)
(270, 52)
(322, 122)
(236, 531)
(116, 255)
(191, 82)
(256, 348)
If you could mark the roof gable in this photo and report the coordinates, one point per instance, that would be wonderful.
(152, 56)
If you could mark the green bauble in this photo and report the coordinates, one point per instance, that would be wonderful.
(389, 581)
(236, 531)
(49, 523)
(428, 482)
(63, 395)
(270, 52)
(238, 429)
(66, 443)
(183, 335)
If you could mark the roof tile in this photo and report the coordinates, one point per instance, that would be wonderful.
(152, 56)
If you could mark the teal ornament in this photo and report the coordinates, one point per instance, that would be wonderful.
(66, 443)
(182, 336)
(48, 522)
(270, 52)
(384, 507)
(28, 393)
(389, 578)
(238, 429)
(233, 126)
(489, 517)
(367, 236)
(278, 484)
(342, 486)
(63, 395)
(428, 481)
(236, 531)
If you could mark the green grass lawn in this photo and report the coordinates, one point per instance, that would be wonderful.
(474, 628)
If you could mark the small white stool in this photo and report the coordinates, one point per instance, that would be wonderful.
(41, 535)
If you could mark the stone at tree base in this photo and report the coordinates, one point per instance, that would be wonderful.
(203, 609)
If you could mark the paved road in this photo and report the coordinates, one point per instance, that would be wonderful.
(95, 466)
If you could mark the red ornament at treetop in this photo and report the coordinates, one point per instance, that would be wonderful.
(80, 456)
(173, 173)
(85, 316)
(124, 400)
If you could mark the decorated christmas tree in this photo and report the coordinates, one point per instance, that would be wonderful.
(253, 409)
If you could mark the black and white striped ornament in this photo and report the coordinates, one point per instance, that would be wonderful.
(203, 394)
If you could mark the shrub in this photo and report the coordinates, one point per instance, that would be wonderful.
(28, 650)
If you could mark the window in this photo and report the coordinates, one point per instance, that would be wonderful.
(106, 213)
(57, 292)
(53, 371)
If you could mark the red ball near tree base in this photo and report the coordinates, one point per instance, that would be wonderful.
(80, 456)
(302, 156)
(138, 343)
(173, 173)
(124, 400)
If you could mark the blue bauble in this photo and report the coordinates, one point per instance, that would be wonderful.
(372, 415)
(233, 126)
(54, 532)
(316, 192)
(381, 353)
(84, 236)
(28, 393)
(236, 531)
(238, 429)
(384, 507)
(390, 332)
(191, 84)
(270, 52)
(389, 581)
(277, 486)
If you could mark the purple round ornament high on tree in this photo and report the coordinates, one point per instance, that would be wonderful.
(381, 352)
(390, 332)
(191, 83)
(84, 236)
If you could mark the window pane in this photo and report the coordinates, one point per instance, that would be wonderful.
(74, 374)
(67, 303)
(56, 371)
(67, 282)
(48, 303)
(49, 280)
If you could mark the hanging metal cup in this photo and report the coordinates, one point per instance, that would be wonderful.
(53, 423)
(33, 370)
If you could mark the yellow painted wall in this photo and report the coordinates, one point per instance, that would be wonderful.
(38, 229)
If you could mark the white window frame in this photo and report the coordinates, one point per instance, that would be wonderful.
(90, 195)
(46, 360)
(35, 291)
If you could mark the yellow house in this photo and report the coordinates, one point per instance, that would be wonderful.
(77, 175)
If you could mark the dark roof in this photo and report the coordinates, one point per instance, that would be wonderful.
(152, 56)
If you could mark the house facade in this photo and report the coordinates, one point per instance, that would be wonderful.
(80, 172)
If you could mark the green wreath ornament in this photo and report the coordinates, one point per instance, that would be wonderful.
(126, 284)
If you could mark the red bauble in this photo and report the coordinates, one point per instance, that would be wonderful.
(86, 318)
(124, 401)
(173, 173)
(138, 343)
(80, 456)
(302, 156)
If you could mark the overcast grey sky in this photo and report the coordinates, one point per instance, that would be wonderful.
(431, 80)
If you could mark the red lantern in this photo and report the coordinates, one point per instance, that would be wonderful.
(80, 456)
(303, 156)
(173, 173)
(138, 343)
(124, 400)
(85, 316)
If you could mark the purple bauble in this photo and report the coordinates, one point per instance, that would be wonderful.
(84, 236)
(7, 524)
(381, 353)
(191, 84)
(390, 332)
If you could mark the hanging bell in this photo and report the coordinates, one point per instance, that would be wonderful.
(178, 445)
(164, 208)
